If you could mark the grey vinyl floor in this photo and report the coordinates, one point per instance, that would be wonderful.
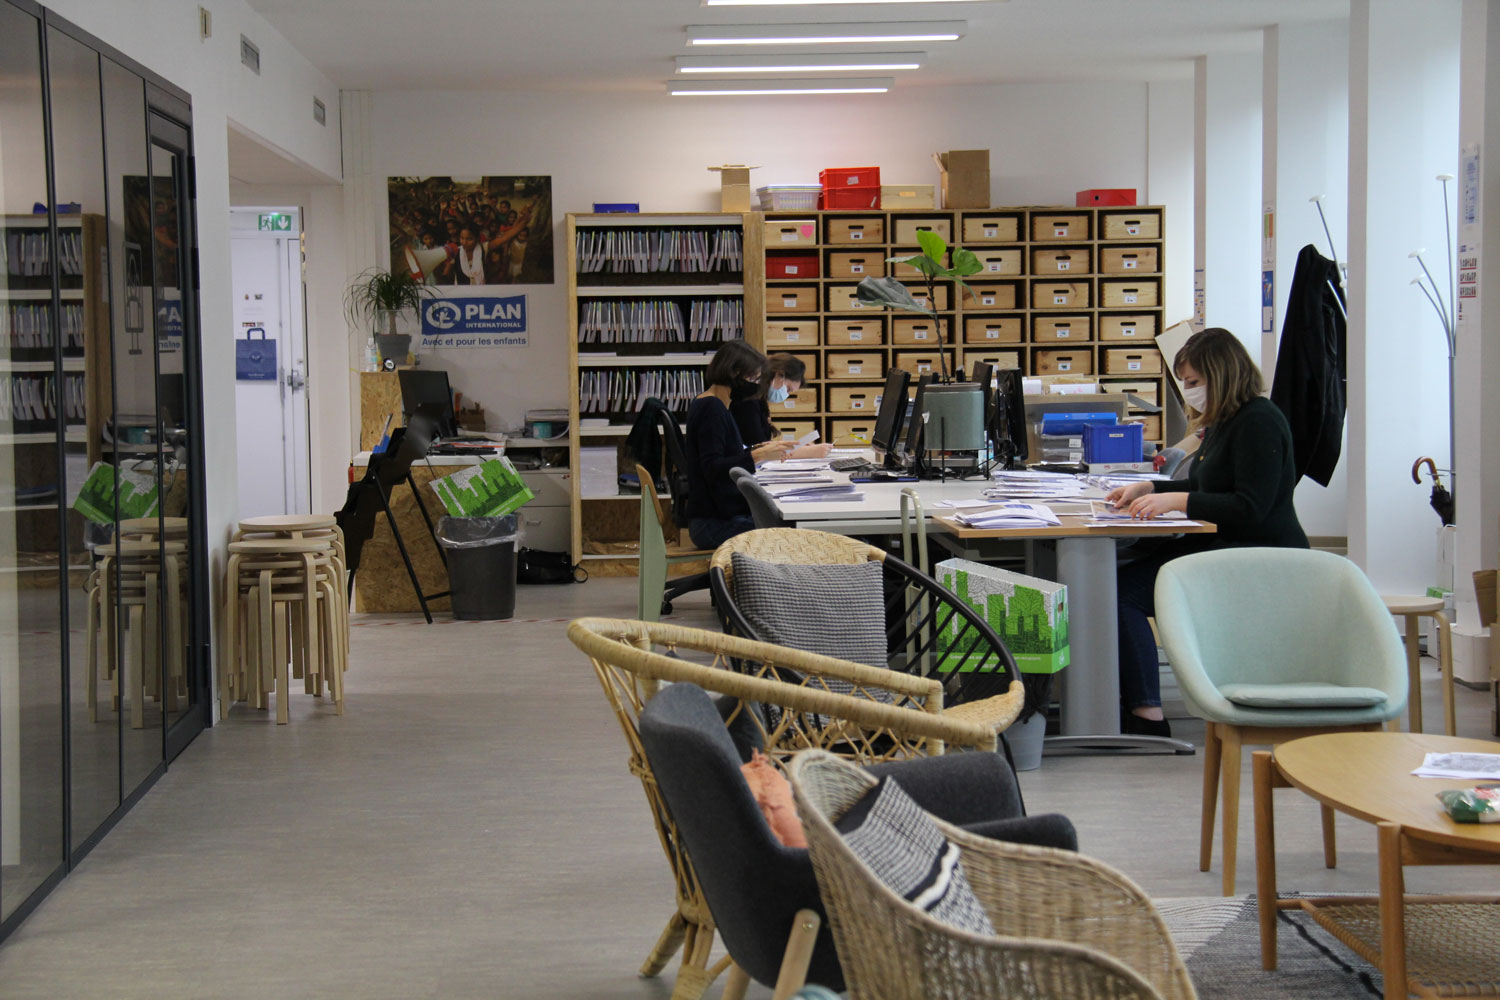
(469, 829)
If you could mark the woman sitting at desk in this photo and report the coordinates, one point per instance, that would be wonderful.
(1242, 481)
(782, 376)
(716, 510)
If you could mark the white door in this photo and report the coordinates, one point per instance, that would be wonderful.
(270, 397)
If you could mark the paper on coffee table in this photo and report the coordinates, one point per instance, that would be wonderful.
(1460, 765)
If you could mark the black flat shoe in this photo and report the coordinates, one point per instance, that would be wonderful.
(1133, 725)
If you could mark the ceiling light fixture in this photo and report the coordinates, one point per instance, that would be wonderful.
(868, 62)
(748, 88)
(824, 34)
(823, 3)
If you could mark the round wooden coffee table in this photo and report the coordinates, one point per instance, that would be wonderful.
(1430, 946)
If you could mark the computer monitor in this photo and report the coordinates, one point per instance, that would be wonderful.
(914, 424)
(982, 374)
(1008, 427)
(887, 435)
(427, 393)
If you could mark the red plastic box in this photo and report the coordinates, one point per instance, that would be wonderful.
(1098, 197)
(860, 197)
(842, 177)
(792, 265)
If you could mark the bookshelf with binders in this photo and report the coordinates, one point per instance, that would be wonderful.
(651, 297)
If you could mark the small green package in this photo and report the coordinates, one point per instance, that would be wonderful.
(1472, 805)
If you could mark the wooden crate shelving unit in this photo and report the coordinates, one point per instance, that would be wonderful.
(1066, 291)
(605, 525)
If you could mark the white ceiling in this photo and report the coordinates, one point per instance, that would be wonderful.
(629, 44)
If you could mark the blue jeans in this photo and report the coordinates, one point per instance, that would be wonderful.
(1140, 674)
(711, 532)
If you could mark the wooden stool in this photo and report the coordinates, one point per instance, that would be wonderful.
(1411, 610)
(131, 573)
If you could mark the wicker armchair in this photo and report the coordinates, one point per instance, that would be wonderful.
(928, 629)
(1066, 926)
(910, 723)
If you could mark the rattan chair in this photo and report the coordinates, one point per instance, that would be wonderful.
(929, 631)
(1065, 925)
(909, 723)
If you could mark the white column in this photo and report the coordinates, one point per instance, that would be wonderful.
(1227, 210)
(1169, 182)
(1478, 382)
(1403, 130)
(364, 208)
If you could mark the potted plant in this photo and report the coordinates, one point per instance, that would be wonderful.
(376, 299)
(890, 293)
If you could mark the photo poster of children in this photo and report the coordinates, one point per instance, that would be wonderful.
(472, 231)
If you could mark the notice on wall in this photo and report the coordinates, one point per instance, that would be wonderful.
(1199, 312)
(474, 321)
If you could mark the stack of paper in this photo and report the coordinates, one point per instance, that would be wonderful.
(1476, 766)
(1035, 485)
(793, 476)
(1009, 515)
(800, 492)
(794, 465)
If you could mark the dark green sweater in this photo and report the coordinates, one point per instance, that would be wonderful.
(1243, 479)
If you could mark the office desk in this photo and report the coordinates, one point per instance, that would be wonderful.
(1085, 563)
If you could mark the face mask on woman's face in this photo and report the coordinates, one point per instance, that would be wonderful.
(778, 394)
(743, 389)
(1197, 397)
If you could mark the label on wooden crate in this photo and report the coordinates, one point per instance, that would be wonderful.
(790, 404)
(994, 265)
(991, 229)
(1128, 263)
(790, 268)
(919, 334)
(790, 237)
(923, 367)
(855, 369)
(856, 234)
(856, 404)
(1059, 300)
(1063, 265)
(992, 333)
(856, 269)
(1133, 228)
(1128, 298)
(788, 301)
(856, 335)
(987, 300)
(1064, 366)
(1061, 332)
(1059, 230)
(791, 336)
(1127, 330)
(1132, 366)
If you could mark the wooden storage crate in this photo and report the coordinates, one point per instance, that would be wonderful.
(1119, 327)
(864, 365)
(920, 363)
(1049, 227)
(1068, 362)
(908, 228)
(855, 332)
(853, 399)
(1132, 361)
(995, 359)
(793, 430)
(992, 227)
(907, 196)
(1130, 224)
(992, 329)
(792, 299)
(919, 292)
(845, 298)
(1063, 261)
(791, 232)
(1152, 422)
(846, 432)
(855, 229)
(904, 271)
(1149, 390)
(1115, 293)
(922, 332)
(1061, 329)
(791, 333)
(804, 400)
(1004, 260)
(1129, 260)
(810, 363)
(1059, 294)
(993, 295)
(857, 265)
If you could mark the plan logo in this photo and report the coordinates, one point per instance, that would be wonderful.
(442, 315)
(475, 321)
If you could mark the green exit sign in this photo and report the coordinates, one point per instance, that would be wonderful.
(275, 222)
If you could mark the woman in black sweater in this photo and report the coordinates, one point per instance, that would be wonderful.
(1242, 479)
(716, 510)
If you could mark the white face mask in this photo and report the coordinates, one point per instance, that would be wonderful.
(778, 394)
(1197, 397)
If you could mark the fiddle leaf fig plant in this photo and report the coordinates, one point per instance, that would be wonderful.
(890, 293)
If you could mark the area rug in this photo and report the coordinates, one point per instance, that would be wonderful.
(1219, 939)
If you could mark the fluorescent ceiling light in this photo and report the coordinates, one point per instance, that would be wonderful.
(742, 88)
(814, 3)
(825, 34)
(869, 62)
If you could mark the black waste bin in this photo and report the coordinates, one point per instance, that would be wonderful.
(481, 565)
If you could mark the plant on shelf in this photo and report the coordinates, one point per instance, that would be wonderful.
(890, 293)
(376, 299)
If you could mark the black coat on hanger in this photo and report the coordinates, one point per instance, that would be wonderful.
(1311, 365)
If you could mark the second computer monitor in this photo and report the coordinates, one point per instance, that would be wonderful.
(888, 420)
(427, 393)
(914, 425)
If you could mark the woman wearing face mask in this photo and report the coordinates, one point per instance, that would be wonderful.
(782, 376)
(713, 446)
(1242, 479)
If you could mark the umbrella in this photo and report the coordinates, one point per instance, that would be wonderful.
(1441, 500)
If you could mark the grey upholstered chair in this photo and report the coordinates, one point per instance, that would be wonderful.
(762, 506)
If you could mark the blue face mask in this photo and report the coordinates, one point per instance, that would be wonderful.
(778, 394)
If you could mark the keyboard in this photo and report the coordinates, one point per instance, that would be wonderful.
(850, 465)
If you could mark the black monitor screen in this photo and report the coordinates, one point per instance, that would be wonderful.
(914, 428)
(1009, 426)
(427, 393)
(982, 374)
(892, 410)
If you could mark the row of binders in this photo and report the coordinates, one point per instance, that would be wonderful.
(29, 402)
(626, 390)
(659, 251)
(28, 325)
(26, 255)
(660, 321)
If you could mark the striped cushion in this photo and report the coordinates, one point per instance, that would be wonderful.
(908, 853)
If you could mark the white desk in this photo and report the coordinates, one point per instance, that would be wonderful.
(1085, 564)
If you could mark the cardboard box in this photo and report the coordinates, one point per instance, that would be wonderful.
(965, 177)
(1029, 614)
(734, 187)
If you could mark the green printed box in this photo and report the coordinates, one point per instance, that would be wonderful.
(491, 489)
(1029, 614)
(136, 491)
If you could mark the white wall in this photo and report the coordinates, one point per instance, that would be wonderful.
(1046, 142)
(1169, 182)
(1228, 182)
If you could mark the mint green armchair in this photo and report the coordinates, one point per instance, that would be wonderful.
(1269, 645)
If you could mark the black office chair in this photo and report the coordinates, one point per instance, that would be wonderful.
(655, 442)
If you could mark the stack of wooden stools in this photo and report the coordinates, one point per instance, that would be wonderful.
(286, 615)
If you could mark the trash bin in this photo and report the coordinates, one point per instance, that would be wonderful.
(481, 555)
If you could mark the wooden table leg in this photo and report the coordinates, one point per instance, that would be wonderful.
(1392, 913)
(1414, 677)
(1261, 766)
(1330, 850)
(1211, 750)
(1229, 794)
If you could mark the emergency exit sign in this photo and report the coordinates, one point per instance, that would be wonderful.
(275, 222)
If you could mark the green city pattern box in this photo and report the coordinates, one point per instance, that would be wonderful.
(1029, 614)
(491, 489)
(137, 492)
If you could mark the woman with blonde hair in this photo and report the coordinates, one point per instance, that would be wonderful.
(1242, 479)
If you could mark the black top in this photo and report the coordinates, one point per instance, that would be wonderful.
(714, 447)
(1311, 365)
(1242, 480)
(753, 417)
